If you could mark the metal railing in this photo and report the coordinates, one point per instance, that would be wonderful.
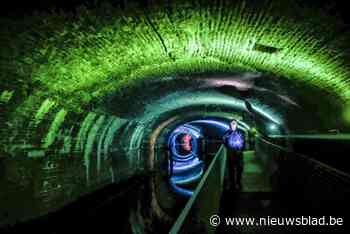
(309, 160)
(205, 200)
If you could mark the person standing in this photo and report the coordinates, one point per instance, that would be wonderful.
(234, 141)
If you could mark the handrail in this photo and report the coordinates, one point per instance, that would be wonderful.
(330, 168)
(195, 204)
(323, 136)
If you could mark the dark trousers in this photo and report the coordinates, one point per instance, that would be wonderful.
(235, 168)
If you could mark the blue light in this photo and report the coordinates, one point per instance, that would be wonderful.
(236, 140)
(184, 166)
(178, 153)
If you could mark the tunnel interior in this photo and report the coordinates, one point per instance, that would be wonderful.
(149, 116)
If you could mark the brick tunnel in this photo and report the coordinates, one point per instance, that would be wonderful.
(152, 116)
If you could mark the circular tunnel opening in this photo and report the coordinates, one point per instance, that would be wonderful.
(185, 164)
(192, 144)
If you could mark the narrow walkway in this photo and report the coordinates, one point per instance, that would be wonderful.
(254, 178)
(253, 201)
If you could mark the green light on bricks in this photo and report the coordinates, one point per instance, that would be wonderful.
(78, 60)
